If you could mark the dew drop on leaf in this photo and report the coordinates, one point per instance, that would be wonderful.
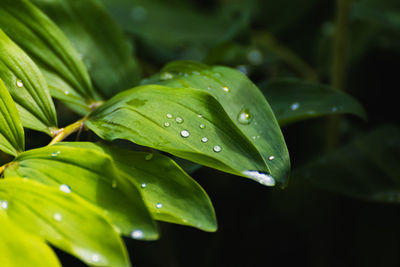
(244, 116)
(271, 157)
(166, 124)
(56, 153)
(65, 188)
(166, 76)
(57, 217)
(185, 133)
(179, 120)
(20, 84)
(226, 89)
(295, 106)
(262, 178)
(66, 92)
(217, 149)
(204, 139)
(143, 185)
(4, 204)
(202, 126)
(159, 205)
(149, 156)
(169, 116)
(137, 234)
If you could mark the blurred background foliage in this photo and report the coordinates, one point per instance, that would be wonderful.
(341, 206)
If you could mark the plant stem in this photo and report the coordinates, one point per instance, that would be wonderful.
(65, 132)
(339, 66)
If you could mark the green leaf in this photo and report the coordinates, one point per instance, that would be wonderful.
(169, 193)
(245, 105)
(20, 248)
(64, 220)
(27, 86)
(186, 122)
(46, 44)
(92, 175)
(366, 168)
(12, 140)
(294, 100)
(94, 35)
(178, 28)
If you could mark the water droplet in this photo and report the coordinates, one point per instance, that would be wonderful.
(166, 124)
(56, 153)
(204, 139)
(57, 217)
(149, 156)
(65, 188)
(137, 234)
(169, 116)
(200, 116)
(271, 157)
(295, 106)
(255, 57)
(244, 116)
(20, 84)
(217, 149)
(179, 120)
(262, 178)
(242, 69)
(159, 205)
(95, 257)
(139, 13)
(143, 185)
(4, 204)
(185, 133)
(226, 89)
(66, 92)
(209, 87)
(202, 126)
(166, 76)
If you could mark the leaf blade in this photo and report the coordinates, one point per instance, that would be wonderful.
(65, 220)
(27, 86)
(12, 140)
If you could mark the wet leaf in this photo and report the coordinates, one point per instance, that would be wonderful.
(185, 122)
(243, 102)
(12, 140)
(169, 193)
(92, 175)
(294, 100)
(99, 41)
(27, 86)
(64, 220)
(46, 44)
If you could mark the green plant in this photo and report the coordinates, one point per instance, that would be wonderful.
(82, 196)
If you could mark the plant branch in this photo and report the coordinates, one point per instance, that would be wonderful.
(65, 132)
(338, 74)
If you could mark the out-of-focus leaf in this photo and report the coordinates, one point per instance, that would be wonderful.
(20, 248)
(170, 194)
(185, 122)
(92, 175)
(177, 29)
(12, 140)
(64, 220)
(100, 43)
(243, 102)
(366, 168)
(294, 100)
(46, 44)
(27, 86)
